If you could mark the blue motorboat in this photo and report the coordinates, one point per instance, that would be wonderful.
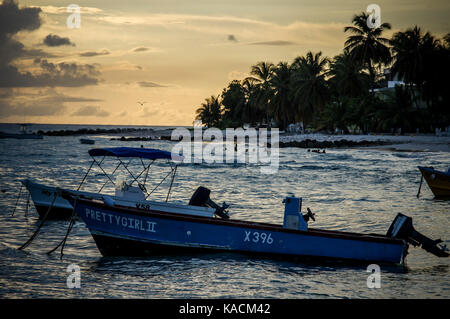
(164, 227)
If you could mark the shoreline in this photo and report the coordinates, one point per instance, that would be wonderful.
(385, 142)
(399, 143)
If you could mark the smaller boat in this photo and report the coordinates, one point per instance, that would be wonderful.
(438, 181)
(24, 134)
(87, 141)
(50, 205)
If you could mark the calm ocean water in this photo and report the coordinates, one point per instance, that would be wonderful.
(357, 190)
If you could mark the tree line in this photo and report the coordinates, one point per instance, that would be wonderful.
(343, 93)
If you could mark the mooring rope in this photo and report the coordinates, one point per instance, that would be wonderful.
(62, 243)
(17, 201)
(420, 186)
(28, 204)
(28, 242)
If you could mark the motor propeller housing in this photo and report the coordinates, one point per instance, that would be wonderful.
(201, 198)
(403, 228)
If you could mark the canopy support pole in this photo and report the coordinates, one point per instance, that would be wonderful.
(99, 165)
(174, 171)
(159, 184)
(117, 167)
(84, 178)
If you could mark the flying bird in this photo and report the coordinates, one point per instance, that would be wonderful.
(141, 103)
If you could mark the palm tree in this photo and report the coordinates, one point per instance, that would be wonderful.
(309, 88)
(436, 71)
(367, 46)
(264, 71)
(255, 95)
(209, 112)
(414, 54)
(234, 104)
(446, 40)
(280, 102)
(408, 54)
(397, 112)
(336, 114)
(346, 76)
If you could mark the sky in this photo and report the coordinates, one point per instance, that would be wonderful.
(169, 54)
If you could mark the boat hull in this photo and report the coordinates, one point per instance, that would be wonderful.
(45, 202)
(55, 213)
(132, 232)
(49, 202)
(438, 182)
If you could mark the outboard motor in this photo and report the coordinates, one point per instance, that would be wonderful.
(201, 198)
(402, 227)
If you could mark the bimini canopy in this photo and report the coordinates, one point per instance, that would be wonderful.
(148, 153)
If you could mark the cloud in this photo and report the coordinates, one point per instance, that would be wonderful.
(232, 38)
(150, 112)
(63, 10)
(141, 49)
(40, 102)
(30, 105)
(147, 84)
(59, 97)
(37, 53)
(54, 40)
(245, 30)
(13, 20)
(59, 74)
(94, 53)
(274, 43)
(40, 109)
(237, 75)
(90, 110)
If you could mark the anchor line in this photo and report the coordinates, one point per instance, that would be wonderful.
(17, 201)
(62, 243)
(28, 242)
(28, 204)
(420, 186)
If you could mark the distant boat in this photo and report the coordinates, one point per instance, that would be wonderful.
(23, 134)
(439, 182)
(86, 141)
